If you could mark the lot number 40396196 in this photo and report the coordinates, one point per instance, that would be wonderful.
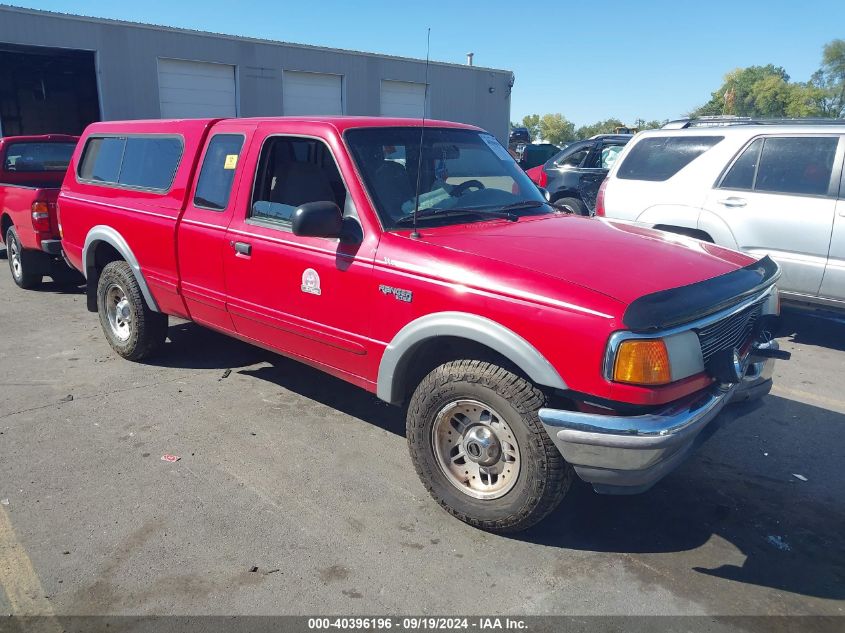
(416, 623)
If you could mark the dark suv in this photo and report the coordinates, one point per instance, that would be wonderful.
(572, 177)
(519, 135)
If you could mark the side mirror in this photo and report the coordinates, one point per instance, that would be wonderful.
(545, 193)
(317, 219)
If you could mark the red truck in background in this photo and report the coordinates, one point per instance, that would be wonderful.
(31, 172)
(526, 345)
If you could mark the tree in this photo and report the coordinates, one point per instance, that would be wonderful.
(766, 91)
(737, 94)
(828, 82)
(642, 124)
(769, 96)
(608, 126)
(556, 129)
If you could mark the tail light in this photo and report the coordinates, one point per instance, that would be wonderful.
(41, 216)
(543, 180)
(600, 199)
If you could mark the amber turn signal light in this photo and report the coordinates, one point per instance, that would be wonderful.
(642, 362)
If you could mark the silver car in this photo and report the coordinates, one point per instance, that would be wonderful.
(773, 188)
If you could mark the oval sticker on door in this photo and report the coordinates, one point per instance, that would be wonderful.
(311, 282)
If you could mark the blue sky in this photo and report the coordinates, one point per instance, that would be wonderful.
(588, 61)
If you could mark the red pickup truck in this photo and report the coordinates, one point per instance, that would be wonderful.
(525, 345)
(31, 171)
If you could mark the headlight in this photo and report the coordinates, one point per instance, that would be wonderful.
(642, 362)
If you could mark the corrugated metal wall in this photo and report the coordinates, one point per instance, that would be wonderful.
(128, 78)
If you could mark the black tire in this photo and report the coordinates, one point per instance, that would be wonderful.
(145, 330)
(21, 262)
(576, 204)
(543, 478)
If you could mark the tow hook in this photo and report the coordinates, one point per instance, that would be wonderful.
(765, 350)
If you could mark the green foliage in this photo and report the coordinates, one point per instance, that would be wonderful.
(642, 124)
(737, 94)
(828, 82)
(556, 129)
(608, 126)
(766, 91)
(755, 91)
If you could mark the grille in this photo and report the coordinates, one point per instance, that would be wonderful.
(730, 332)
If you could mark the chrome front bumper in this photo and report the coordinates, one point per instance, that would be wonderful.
(629, 454)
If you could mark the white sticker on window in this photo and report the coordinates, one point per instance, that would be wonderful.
(496, 146)
(231, 161)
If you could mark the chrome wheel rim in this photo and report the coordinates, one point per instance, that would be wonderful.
(475, 449)
(14, 257)
(118, 312)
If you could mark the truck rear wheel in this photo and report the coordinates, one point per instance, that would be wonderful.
(131, 328)
(480, 449)
(19, 262)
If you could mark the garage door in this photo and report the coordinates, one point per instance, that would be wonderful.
(196, 89)
(311, 93)
(402, 99)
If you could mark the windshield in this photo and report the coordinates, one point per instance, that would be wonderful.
(466, 176)
(38, 156)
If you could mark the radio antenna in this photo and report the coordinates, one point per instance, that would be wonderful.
(416, 234)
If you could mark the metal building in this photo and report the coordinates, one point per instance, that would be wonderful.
(60, 72)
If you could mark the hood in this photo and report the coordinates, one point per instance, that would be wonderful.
(621, 261)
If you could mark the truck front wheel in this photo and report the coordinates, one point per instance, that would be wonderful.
(480, 449)
(20, 262)
(131, 328)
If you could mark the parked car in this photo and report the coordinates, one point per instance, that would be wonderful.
(574, 175)
(536, 154)
(31, 171)
(519, 135)
(523, 354)
(767, 189)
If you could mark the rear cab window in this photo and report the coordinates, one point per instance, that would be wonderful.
(38, 156)
(658, 158)
(214, 186)
(787, 165)
(146, 162)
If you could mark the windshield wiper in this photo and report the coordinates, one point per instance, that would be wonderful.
(525, 204)
(432, 212)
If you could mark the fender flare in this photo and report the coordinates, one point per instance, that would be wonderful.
(680, 215)
(467, 326)
(107, 234)
(718, 229)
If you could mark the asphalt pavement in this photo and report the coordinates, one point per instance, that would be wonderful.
(294, 493)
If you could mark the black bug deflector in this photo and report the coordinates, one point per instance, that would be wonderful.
(668, 308)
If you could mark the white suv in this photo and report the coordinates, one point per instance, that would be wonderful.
(767, 189)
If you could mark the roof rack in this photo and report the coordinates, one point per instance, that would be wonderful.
(716, 121)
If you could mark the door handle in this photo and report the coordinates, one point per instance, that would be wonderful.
(242, 248)
(733, 202)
